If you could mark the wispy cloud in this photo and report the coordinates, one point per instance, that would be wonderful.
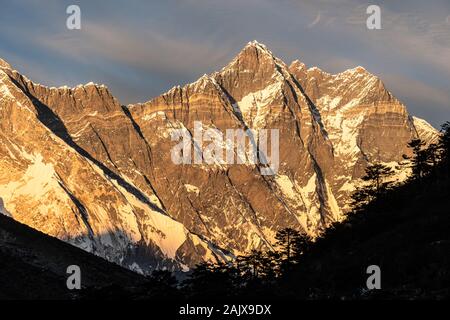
(418, 90)
(422, 99)
(408, 34)
(145, 47)
(316, 21)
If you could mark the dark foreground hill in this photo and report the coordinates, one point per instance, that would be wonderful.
(406, 235)
(33, 265)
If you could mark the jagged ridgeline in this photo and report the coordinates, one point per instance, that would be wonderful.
(77, 165)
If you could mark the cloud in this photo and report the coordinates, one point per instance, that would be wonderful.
(146, 47)
(330, 21)
(150, 50)
(339, 64)
(417, 37)
(316, 21)
(417, 90)
(422, 99)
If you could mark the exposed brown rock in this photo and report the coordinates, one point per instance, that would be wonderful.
(111, 187)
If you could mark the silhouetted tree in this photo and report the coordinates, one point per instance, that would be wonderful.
(290, 245)
(252, 265)
(162, 284)
(419, 162)
(164, 277)
(272, 266)
(285, 240)
(209, 281)
(433, 157)
(444, 147)
(376, 182)
(301, 245)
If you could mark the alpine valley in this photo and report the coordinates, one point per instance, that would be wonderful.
(77, 165)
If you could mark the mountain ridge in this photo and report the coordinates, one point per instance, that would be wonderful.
(330, 126)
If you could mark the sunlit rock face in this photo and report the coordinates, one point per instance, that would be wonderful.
(77, 165)
(54, 182)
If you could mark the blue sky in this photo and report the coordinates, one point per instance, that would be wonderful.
(140, 49)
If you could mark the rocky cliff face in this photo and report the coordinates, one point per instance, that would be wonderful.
(78, 165)
(50, 182)
(363, 121)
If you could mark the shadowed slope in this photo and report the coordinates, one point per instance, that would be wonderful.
(33, 265)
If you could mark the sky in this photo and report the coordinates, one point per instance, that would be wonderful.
(140, 49)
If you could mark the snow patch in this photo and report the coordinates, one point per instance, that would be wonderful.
(332, 204)
(39, 179)
(328, 102)
(136, 268)
(286, 186)
(254, 106)
(154, 115)
(343, 128)
(192, 188)
(425, 130)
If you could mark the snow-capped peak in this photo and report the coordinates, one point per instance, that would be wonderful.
(298, 65)
(313, 69)
(89, 84)
(201, 83)
(425, 131)
(260, 47)
(255, 43)
(356, 70)
(423, 124)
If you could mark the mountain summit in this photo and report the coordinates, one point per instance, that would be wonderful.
(79, 166)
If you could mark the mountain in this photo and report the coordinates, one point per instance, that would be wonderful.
(51, 183)
(77, 165)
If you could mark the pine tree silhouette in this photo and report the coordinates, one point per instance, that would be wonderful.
(376, 182)
(210, 281)
(291, 245)
(444, 147)
(419, 162)
(285, 240)
(252, 264)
